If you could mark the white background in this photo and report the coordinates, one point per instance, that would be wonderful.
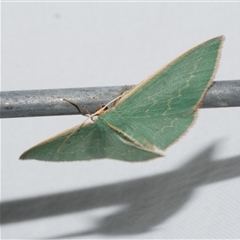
(193, 192)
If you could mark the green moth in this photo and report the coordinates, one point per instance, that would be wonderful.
(146, 119)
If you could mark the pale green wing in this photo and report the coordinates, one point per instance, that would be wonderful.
(91, 141)
(161, 108)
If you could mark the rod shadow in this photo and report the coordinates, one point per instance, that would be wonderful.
(148, 201)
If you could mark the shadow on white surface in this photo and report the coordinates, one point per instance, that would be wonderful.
(149, 201)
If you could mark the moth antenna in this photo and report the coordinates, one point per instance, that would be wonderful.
(120, 94)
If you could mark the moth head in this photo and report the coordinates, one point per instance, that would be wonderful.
(101, 110)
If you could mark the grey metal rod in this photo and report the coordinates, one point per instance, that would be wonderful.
(49, 102)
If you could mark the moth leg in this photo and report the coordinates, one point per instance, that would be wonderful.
(78, 106)
(101, 109)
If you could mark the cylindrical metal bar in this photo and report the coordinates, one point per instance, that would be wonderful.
(49, 102)
(223, 94)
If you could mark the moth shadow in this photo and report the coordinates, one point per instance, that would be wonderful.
(148, 201)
